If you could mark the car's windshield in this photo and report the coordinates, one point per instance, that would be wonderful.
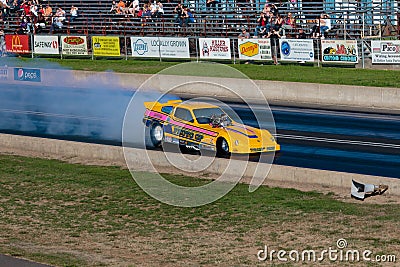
(203, 115)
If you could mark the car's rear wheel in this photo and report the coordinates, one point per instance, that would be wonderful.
(156, 134)
(223, 148)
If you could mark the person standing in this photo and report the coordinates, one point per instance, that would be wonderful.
(274, 38)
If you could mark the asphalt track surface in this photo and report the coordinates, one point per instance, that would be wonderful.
(7, 261)
(354, 142)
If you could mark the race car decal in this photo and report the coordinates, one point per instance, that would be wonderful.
(242, 133)
(165, 118)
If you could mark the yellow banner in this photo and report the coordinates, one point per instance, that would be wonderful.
(106, 46)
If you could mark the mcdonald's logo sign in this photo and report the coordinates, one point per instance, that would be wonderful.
(17, 43)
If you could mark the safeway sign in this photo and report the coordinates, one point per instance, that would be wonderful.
(46, 45)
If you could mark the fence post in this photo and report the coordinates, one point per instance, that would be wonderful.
(126, 49)
(159, 48)
(319, 51)
(233, 50)
(197, 48)
(32, 43)
(60, 45)
(362, 53)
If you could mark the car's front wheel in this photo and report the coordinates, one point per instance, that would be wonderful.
(222, 148)
(156, 134)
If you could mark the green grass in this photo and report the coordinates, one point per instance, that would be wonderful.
(284, 72)
(47, 196)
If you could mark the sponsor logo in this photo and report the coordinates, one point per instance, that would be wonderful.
(285, 48)
(249, 49)
(73, 40)
(219, 46)
(205, 50)
(390, 48)
(16, 43)
(140, 47)
(50, 44)
(3, 73)
(29, 75)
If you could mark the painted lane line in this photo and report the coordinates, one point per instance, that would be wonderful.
(337, 141)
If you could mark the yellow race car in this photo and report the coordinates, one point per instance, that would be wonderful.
(203, 126)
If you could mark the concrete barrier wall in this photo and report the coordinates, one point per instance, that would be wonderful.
(274, 91)
(294, 92)
(113, 155)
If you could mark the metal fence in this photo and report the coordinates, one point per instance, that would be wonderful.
(320, 52)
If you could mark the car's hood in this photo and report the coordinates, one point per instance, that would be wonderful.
(244, 130)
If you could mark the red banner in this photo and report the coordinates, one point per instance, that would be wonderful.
(17, 43)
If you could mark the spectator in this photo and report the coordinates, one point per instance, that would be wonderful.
(48, 13)
(114, 7)
(15, 6)
(157, 10)
(212, 4)
(5, 8)
(278, 23)
(263, 25)
(74, 13)
(315, 31)
(121, 7)
(60, 14)
(40, 24)
(266, 9)
(289, 23)
(33, 9)
(301, 34)
(178, 10)
(325, 24)
(23, 26)
(26, 7)
(274, 10)
(133, 8)
(244, 34)
(188, 17)
(274, 37)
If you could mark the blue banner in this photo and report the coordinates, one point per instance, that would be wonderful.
(28, 75)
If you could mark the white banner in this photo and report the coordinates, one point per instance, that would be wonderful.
(341, 51)
(46, 45)
(215, 48)
(254, 49)
(386, 52)
(167, 47)
(74, 45)
(297, 49)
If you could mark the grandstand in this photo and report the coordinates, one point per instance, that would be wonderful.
(350, 18)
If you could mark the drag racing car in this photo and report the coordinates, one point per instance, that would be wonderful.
(204, 127)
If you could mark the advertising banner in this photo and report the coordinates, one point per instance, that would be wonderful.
(167, 47)
(74, 45)
(3, 73)
(27, 75)
(106, 46)
(254, 49)
(386, 52)
(341, 51)
(215, 48)
(46, 45)
(17, 43)
(297, 50)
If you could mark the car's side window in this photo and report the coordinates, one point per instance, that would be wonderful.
(167, 109)
(183, 114)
